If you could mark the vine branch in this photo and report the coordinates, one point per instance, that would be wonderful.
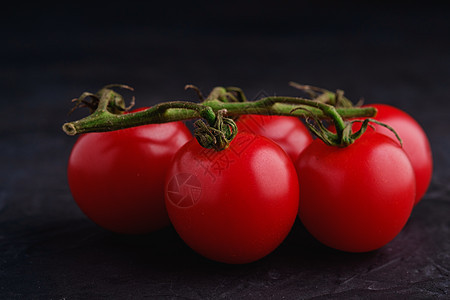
(104, 120)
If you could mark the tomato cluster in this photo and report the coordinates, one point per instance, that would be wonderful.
(238, 204)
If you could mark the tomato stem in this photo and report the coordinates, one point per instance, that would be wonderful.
(231, 99)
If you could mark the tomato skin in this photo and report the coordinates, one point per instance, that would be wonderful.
(415, 143)
(243, 200)
(288, 132)
(117, 177)
(356, 198)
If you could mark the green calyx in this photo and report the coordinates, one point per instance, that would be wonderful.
(329, 102)
(336, 99)
(345, 136)
(217, 135)
(115, 103)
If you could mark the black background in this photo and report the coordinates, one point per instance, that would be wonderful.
(395, 53)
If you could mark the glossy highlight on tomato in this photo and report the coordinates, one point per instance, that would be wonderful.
(235, 205)
(355, 198)
(117, 177)
(288, 132)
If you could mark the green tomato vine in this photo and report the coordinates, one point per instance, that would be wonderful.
(218, 110)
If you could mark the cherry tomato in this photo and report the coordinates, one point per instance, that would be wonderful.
(355, 198)
(236, 205)
(415, 143)
(117, 177)
(288, 132)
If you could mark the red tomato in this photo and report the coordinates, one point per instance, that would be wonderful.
(117, 177)
(355, 198)
(236, 205)
(288, 132)
(415, 143)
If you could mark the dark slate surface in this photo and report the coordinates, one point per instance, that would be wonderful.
(394, 54)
